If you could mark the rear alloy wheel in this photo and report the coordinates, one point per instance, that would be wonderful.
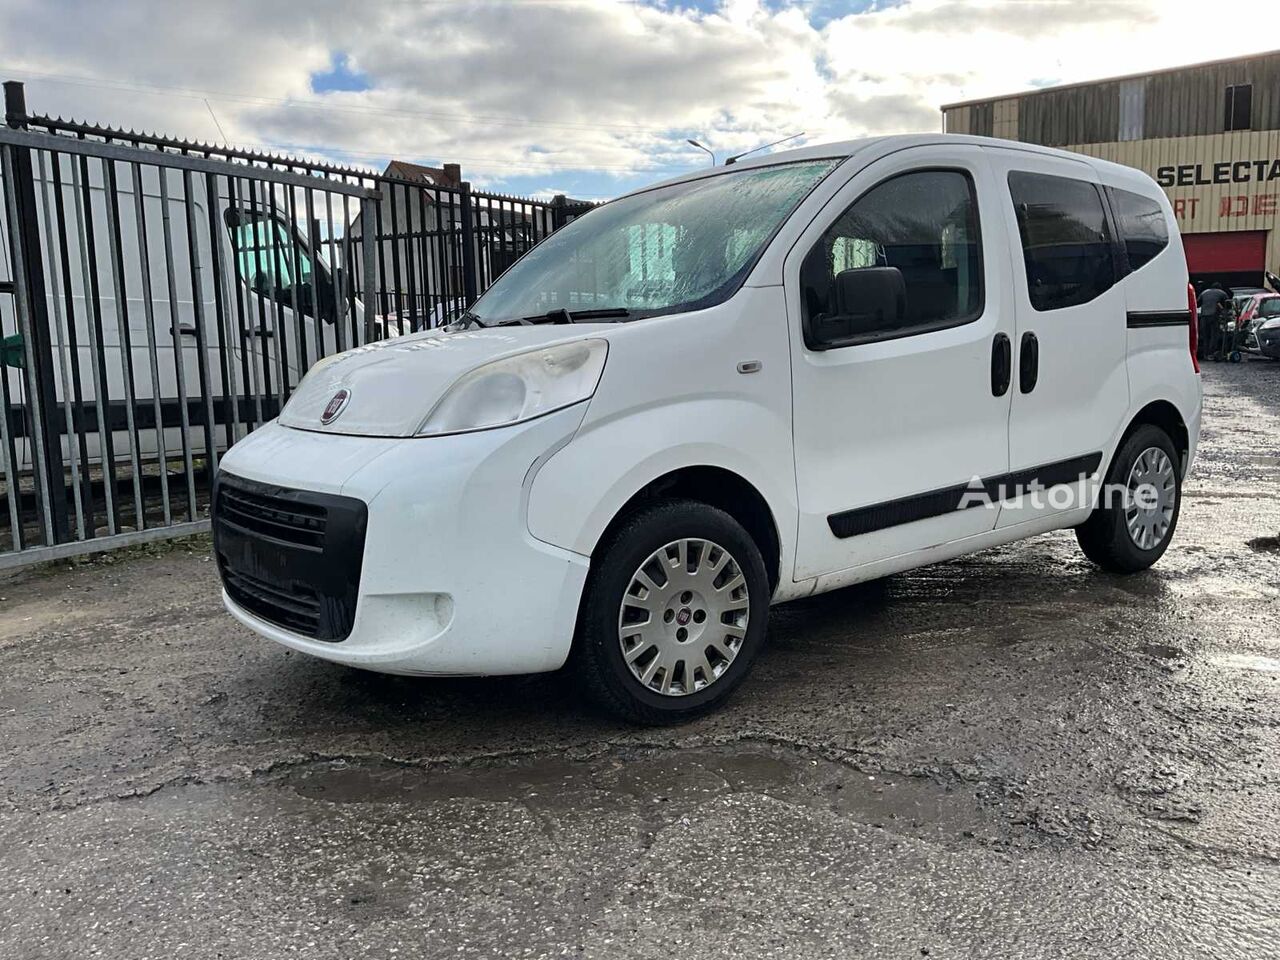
(673, 615)
(1132, 526)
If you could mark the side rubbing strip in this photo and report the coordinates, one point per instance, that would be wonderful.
(936, 503)
(1157, 318)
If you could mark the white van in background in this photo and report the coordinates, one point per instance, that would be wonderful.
(736, 388)
(277, 294)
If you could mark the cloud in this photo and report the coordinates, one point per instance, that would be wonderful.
(596, 95)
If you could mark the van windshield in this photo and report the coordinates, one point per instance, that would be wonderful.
(677, 248)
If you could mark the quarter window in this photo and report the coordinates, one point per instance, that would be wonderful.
(922, 225)
(1142, 226)
(1066, 243)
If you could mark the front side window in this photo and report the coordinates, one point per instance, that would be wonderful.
(1269, 307)
(672, 249)
(272, 261)
(1066, 243)
(1142, 226)
(915, 236)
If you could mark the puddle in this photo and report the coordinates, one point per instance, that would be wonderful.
(1163, 651)
(1265, 544)
(670, 784)
(1246, 661)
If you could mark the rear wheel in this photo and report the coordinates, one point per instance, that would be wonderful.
(1131, 527)
(673, 614)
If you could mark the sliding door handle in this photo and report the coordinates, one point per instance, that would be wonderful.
(1001, 364)
(1028, 362)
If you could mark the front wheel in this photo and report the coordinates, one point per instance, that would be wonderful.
(673, 614)
(1132, 525)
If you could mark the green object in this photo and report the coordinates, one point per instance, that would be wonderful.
(11, 353)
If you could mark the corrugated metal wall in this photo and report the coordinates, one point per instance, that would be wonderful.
(1056, 118)
(1190, 103)
(1178, 103)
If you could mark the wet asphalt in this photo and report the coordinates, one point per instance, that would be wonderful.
(1011, 755)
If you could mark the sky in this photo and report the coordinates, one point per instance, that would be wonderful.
(590, 98)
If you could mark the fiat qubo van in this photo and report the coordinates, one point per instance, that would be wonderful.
(736, 388)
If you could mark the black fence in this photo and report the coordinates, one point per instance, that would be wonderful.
(161, 298)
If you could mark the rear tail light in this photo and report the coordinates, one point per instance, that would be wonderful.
(1193, 327)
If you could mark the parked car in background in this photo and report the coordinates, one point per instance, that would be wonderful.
(739, 387)
(1240, 297)
(1261, 317)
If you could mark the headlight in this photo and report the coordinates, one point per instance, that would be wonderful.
(519, 388)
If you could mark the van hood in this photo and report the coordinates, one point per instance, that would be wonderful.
(386, 389)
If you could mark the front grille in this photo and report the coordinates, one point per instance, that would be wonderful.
(280, 519)
(290, 557)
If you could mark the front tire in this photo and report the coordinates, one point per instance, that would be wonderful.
(1129, 534)
(673, 615)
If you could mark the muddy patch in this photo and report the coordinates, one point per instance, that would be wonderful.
(668, 786)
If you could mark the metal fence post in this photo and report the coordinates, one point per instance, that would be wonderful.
(558, 212)
(469, 291)
(368, 255)
(44, 430)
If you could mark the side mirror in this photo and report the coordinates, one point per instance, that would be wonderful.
(863, 301)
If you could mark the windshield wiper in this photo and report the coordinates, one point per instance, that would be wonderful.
(561, 315)
(468, 319)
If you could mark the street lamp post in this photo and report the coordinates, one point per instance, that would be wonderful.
(705, 150)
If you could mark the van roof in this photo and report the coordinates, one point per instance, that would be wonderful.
(1115, 173)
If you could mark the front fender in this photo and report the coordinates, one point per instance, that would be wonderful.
(584, 485)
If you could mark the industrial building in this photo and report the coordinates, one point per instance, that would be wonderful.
(1208, 133)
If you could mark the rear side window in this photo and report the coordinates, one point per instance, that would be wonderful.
(1066, 243)
(924, 225)
(1142, 226)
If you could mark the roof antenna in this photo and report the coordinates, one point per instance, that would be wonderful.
(739, 156)
(221, 133)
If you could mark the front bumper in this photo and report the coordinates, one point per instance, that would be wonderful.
(1269, 342)
(451, 581)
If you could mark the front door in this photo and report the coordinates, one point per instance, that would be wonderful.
(1071, 386)
(897, 415)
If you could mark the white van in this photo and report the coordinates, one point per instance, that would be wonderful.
(732, 389)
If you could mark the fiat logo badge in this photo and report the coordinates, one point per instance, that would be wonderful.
(337, 403)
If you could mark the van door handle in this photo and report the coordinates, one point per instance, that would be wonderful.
(1028, 362)
(185, 329)
(1001, 364)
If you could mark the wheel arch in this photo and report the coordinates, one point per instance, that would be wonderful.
(717, 487)
(1166, 416)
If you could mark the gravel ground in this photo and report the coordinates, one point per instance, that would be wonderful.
(1012, 755)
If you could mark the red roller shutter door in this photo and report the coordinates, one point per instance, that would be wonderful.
(1243, 251)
